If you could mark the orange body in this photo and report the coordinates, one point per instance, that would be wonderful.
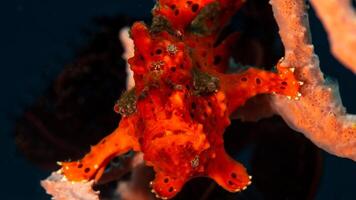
(178, 111)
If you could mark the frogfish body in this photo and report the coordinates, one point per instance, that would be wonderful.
(180, 106)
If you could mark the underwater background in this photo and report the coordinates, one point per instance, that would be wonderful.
(38, 38)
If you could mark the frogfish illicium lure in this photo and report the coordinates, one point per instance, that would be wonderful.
(180, 106)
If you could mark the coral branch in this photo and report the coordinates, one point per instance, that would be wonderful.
(128, 45)
(62, 189)
(319, 114)
(339, 20)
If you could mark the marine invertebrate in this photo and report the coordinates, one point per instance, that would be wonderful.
(321, 103)
(128, 53)
(180, 106)
(68, 190)
(339, 20)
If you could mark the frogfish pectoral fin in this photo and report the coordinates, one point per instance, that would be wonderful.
(93, 164)
(166, 187)
(227, 172)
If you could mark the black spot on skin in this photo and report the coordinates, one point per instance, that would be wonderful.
(86, 170)
(230, 183)
(158, 51)
(284, 83)
(176, 12)
(173, 69)
(170, 189)
(233, 175)
(166, 180)
(258, 81)
(80, 165)
(173, 6)
(244, 79)
(192, 115)
(195, 7)
(209, 104)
